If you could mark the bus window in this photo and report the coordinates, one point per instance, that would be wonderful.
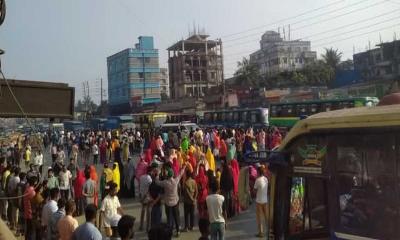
(223, 116)
(308, 206)
(255, 117)
(367, 184)
(327, 107)
(229, 117)
(314, 108)
(235, 117)
(302, 109)
(207, 117)
(219, 117)
(243, 117)
(274, 111)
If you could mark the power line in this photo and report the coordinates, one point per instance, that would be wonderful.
(324, 14)
(358, 35)
(285, 19)
(358, 29)
(328, 31)
(311, 24)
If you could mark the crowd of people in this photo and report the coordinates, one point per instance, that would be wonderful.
(202, 170)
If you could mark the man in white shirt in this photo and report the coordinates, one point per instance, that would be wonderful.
(38, 162)
(95, 151)
(216, 213)
(262, 210)
(49, 208)
(65, 181)
(110, 209)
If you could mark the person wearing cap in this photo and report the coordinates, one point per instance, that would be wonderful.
(110, 208)
(171, 197)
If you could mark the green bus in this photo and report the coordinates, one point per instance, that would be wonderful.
(288, 113)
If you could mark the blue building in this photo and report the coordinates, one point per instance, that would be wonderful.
(134, 77)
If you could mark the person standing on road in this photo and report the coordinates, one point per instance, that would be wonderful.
(88, 189)
(110, 209)
(262, 210)
(29, 194)
(48, 209)
(38, 161)
(95, 151)
(171, 197)
(190, 195)
(145, 182)
(52, 231)
(67, 225)
(88, 230)
(65, 182)
(216, 213)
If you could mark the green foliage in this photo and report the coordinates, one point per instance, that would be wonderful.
(247, 74)
(332, 57)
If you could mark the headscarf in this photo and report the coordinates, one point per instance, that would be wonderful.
(78, 185)
(223, 149)
(235, 175)
(192, 160)
(202, 183)
(231, 152)
(141, 168)
(129, 173)
(93, 174)
(226, 182)
(175, 166)
(116, 175)
(108, 174)
(210, 159)
(185, 144)
(179, 156)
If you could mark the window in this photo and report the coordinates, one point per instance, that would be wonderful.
(366, 169)
(141, 75)
(308, 206)
(235, 116)
(147, 60)
(255, 117)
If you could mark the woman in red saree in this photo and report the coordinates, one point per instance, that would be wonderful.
(202, 186)
(78, 185)
(235, 175)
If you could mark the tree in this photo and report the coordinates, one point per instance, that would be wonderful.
(332, 57)
(247, 74)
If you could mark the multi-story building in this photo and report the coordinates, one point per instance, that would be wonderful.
(381, 63)
(134, 77)
(164, 81)
(194, 65)
(277, 55)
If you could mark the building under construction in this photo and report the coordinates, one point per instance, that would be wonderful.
(195, 65)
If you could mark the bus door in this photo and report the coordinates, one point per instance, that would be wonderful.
(308, 205)
(303, 195)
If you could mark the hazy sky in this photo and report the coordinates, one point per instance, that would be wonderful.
(69, 40)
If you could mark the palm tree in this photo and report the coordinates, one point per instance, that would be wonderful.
(332, 57)
(247, 74)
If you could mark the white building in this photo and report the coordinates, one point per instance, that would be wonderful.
(164, 81)
(277, 55)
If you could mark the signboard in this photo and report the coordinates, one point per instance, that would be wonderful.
(311, 159)
(38, 99)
